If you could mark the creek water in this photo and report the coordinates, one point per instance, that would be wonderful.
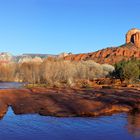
(36, 127)
(6, 85)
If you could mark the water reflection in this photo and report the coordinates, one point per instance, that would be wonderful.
(37, 127)
(6, 85)
(27, 127)
(133, 124)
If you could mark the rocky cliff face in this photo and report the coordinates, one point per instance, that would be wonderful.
(131, 49)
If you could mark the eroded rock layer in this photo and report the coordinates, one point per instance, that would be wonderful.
(131, 49)
(69, 102)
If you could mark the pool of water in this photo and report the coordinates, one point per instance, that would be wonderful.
(35, 127)
(6, 85)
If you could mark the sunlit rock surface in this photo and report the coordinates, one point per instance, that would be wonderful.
(69, 102)
(131, 49)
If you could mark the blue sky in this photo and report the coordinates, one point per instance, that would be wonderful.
(55, 26)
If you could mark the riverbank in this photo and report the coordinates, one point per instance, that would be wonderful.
(67, 102)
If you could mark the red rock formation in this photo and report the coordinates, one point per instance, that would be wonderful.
(64, 102)
(133, 36)
(131, 49)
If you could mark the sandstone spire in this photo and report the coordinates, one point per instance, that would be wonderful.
(133, 36)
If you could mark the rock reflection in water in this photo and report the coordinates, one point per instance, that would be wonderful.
(52, 128)
(51, 102)
(133, 125)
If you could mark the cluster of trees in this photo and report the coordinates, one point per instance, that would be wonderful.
(128, 71)
(53, 71)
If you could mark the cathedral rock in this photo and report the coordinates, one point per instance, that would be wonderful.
(112, 55)
(133, 36)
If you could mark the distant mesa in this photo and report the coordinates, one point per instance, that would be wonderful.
(64, 54)
(7, 57)
(112, 55)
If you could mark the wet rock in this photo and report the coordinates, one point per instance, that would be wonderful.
(70, 102)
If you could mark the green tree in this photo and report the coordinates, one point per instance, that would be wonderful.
(127, 70)
(131, 71)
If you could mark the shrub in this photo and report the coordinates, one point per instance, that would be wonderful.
(127, 70)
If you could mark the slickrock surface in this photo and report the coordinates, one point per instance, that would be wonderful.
(69, 102)
(131, 49)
